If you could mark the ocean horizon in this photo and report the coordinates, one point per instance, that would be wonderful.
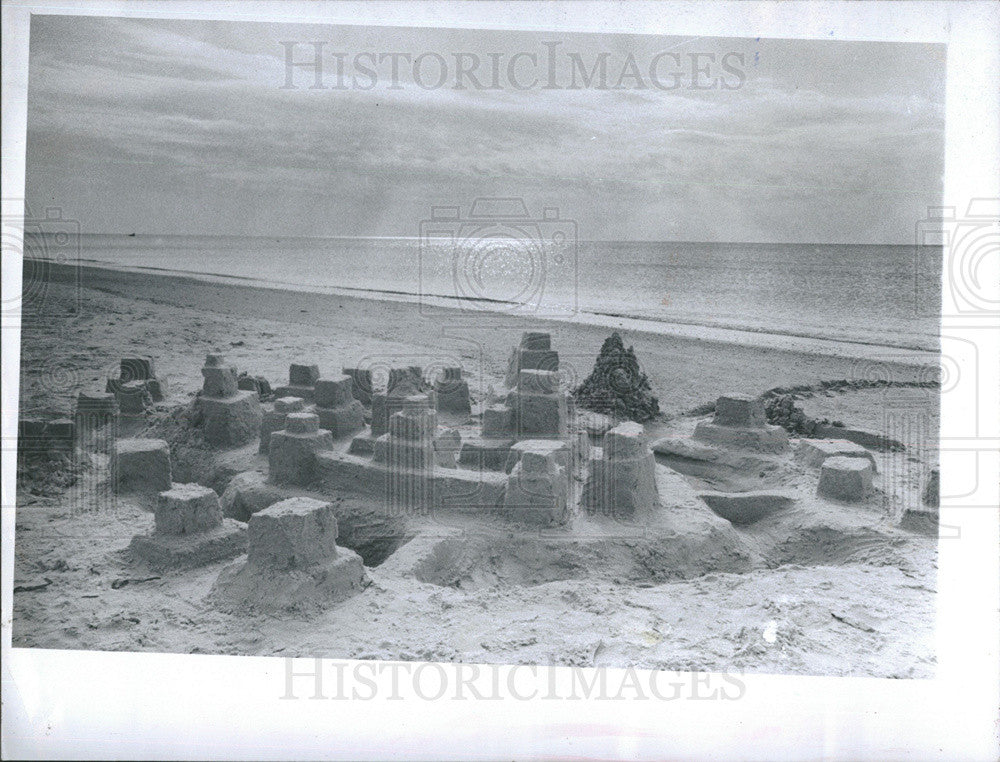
(867, 293)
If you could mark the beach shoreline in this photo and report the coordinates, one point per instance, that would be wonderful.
(265, 329)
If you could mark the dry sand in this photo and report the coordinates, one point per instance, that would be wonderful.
(809, 591)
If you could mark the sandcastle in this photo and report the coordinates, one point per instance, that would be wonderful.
(292, 451)
(274, 419)
(338, 411)
(361, 388)
(189, 530)
(302, 380)
(293, 561)
(136, 386)
(140, 465)
(740, 422)
(452, 392)
(226, 414)
(622, 481)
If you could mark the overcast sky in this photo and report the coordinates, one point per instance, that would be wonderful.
(154, 126)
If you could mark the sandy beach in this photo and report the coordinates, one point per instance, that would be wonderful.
(811, 592)
(100, 313)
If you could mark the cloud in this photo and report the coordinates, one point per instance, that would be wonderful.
(131, 119)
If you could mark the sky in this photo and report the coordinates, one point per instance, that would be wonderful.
(187, 127)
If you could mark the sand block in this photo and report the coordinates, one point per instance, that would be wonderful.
(230, 421)
(539, 415)
(405, 381)
(133, 398)
(271, 422)
(247, 493)
(363, 444)
(302, 423)
(814, 452)
(96, 404)
(537, 497)
(624, 441)
(289, 405)
(187, 509)
(243, 588)
(522, 358)
(415, 424)
(535, 340)
(303, 375)
(742, 508)
(142, 465)
(361, 386)
(292, 456)
(447, 446)
(293, 534)
(498, 422)
(306, 393)
(403, 454)
(257, 384)
(410, 456)
(334, 392)
(537, 455)
(846, 479)
(739, 410)
(763, 439)
(183, 551)
(157, 389)
(293, 562)
(136, 369)
(482, 453)
(621, 487)
(383, 406)
(452, 395)
(219, 380)
(342, 421)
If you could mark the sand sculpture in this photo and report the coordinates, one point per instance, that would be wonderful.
(617, 386)
(452, 392)
(361, 388)
(140, 465)
(136, 388)
(302, 380)
(292, 452)
(226, 414)
(274, 419)
(189, 530)
(847, 479)
(338, 411)
(532, 463)
(293, 561)
(622, 481)
(740, 422)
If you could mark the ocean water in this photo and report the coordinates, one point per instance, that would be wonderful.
(873, 294)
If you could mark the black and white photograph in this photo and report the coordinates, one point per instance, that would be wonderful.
(492, 346)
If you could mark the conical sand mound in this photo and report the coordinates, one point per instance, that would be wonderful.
(617, 386)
